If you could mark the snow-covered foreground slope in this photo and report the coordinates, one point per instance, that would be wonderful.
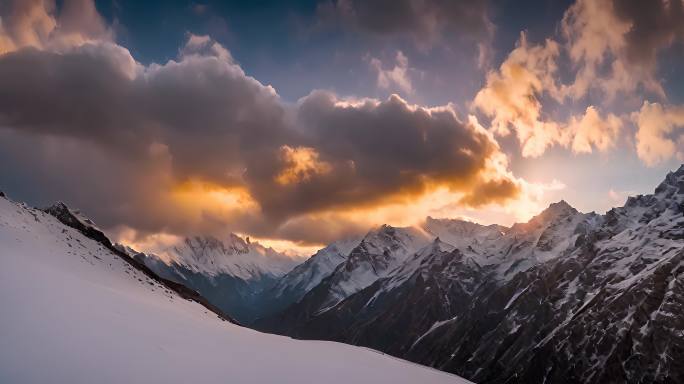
(74, 312)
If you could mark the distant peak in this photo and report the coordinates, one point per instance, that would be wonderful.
(432, 220)
(680, 171)
(561, 203)
(232, 243)
(385, 229)
(561, 206)
(675, 177)
(202, 239)
(59, 206)
(455, 225)
(438, 245)
(558, 209)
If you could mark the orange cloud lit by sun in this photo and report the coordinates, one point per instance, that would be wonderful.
(197, 195)
(302, 163)
(194, 198)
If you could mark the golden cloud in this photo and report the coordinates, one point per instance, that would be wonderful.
(660, 132)
(301, 164)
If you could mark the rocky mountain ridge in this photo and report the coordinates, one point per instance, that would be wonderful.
(566, 297)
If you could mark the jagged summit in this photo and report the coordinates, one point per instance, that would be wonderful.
(460, 225)
(558, 209)
(201, 245)
(397, 241)
(437, 245)
(232, 255)
(61, 209)
(552, 214)
(75, 219)
(673, 183)
(387, 231)
(461, 233)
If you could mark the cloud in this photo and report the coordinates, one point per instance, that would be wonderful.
(655, 25)
(195, 145)
(302, 163)
(615, 43)
(596, 35)
(612, 47)
(376, 151)
(396, 77)
(660, 132)
(203, 45)
(511, 96)
(593, 131)
(36, 23)
(426, 22)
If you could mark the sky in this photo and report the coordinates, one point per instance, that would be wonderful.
(299, 123)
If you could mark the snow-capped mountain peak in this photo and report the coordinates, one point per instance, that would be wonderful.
(380, 252)
(399, 241)
(436, 247)
(673, 186)
(233, 255)
(319, 266)
(462, 233)
(555, 211)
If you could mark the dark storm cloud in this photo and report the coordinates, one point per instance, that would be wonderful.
(423, 20)
(85, 122)
(654, 25)
(375, 150)
(204, 109)
(82, 94)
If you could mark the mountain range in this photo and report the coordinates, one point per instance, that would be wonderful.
(231, 273)
(76, 309)
(567, 297)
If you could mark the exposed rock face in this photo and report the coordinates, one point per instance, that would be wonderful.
(379, 253)
(565, 298)
(77, 221)
(295, 284)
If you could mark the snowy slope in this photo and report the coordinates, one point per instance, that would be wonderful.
(74, 312)
(295, 284)
(319, 266)
(380, 252)
(461, 233)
